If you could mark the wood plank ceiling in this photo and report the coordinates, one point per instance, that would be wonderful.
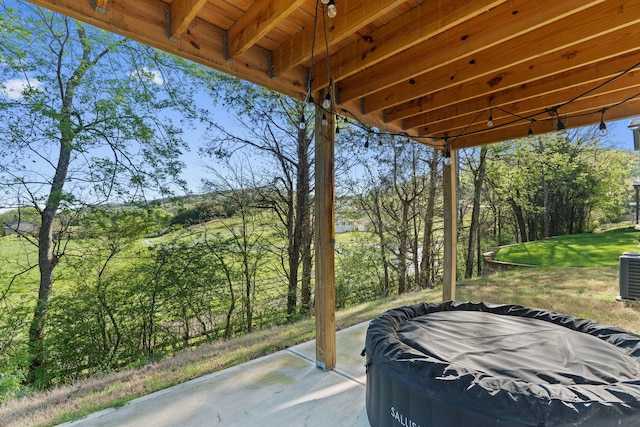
(435, 70)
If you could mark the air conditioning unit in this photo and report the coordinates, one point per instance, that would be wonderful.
(630, 275)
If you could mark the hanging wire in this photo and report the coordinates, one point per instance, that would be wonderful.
(309, 97)
(443, 140)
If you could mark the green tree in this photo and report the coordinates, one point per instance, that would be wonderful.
(278, 131)
(557, 184)
(397, 192)
(479, 172)
(84, 120)
(243, 243)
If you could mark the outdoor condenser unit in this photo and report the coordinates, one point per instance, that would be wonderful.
(630, 275)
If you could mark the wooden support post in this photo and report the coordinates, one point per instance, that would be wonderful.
(325, 295)
(449, 184)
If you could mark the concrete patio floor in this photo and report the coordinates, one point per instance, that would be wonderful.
(281, 389)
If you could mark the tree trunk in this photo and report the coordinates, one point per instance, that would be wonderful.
(426, 262)
(293, 252)
(47, 261)
(379, 229)
(303, 214)
(520, 222)
(475, 212)
(402, 248)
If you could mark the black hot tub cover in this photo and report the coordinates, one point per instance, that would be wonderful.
(518, 365)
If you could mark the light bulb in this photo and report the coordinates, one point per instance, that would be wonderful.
(560, 127)
(447, 157)
(301, 125)
(325, 1)
(324, 120)
(490, 120)
(603, 125)
(603, 128)
(327, 101)
(331, 9)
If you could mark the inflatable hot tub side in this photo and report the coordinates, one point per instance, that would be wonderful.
(412, 383)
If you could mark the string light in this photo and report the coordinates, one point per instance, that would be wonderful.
(327, 101)
(560, 125)
(366, 142)
(325, 1)
(447, 153)
(331, 9)
(324, 120)
(560, 128)
(302, 123)
(603, 125)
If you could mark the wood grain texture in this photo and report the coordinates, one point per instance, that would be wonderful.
(423, 68)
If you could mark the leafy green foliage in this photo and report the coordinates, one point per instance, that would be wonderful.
(201, 213)
(87, 118)
(358, 275)
(554, 185)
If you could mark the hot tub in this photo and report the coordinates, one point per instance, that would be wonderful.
(476, 364)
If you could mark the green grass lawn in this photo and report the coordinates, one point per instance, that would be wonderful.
(578, 250)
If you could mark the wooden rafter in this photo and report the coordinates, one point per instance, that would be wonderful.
(449, 57)
(255, 23)
(524, 83)
(183, 12)
(520, 129)
(438, 106)
(415, 26)
(353, 15)
(415, 66)
(557, 89)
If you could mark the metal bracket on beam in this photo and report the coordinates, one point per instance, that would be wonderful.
(167, 24)
(225, 47)
(270, 71)
(94, 5)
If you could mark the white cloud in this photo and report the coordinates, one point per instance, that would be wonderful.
(153, 76)
(13, 88)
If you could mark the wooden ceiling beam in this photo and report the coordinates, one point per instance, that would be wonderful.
(520, 130)
(476, 95)
(465, 41)
(537, 107)
(352, 16)
(145, 22)
(183, 12)
(495, 62)
(583, 79)
(419, 24)
(256, 22)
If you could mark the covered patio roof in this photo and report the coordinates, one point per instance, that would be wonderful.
(434, 70)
